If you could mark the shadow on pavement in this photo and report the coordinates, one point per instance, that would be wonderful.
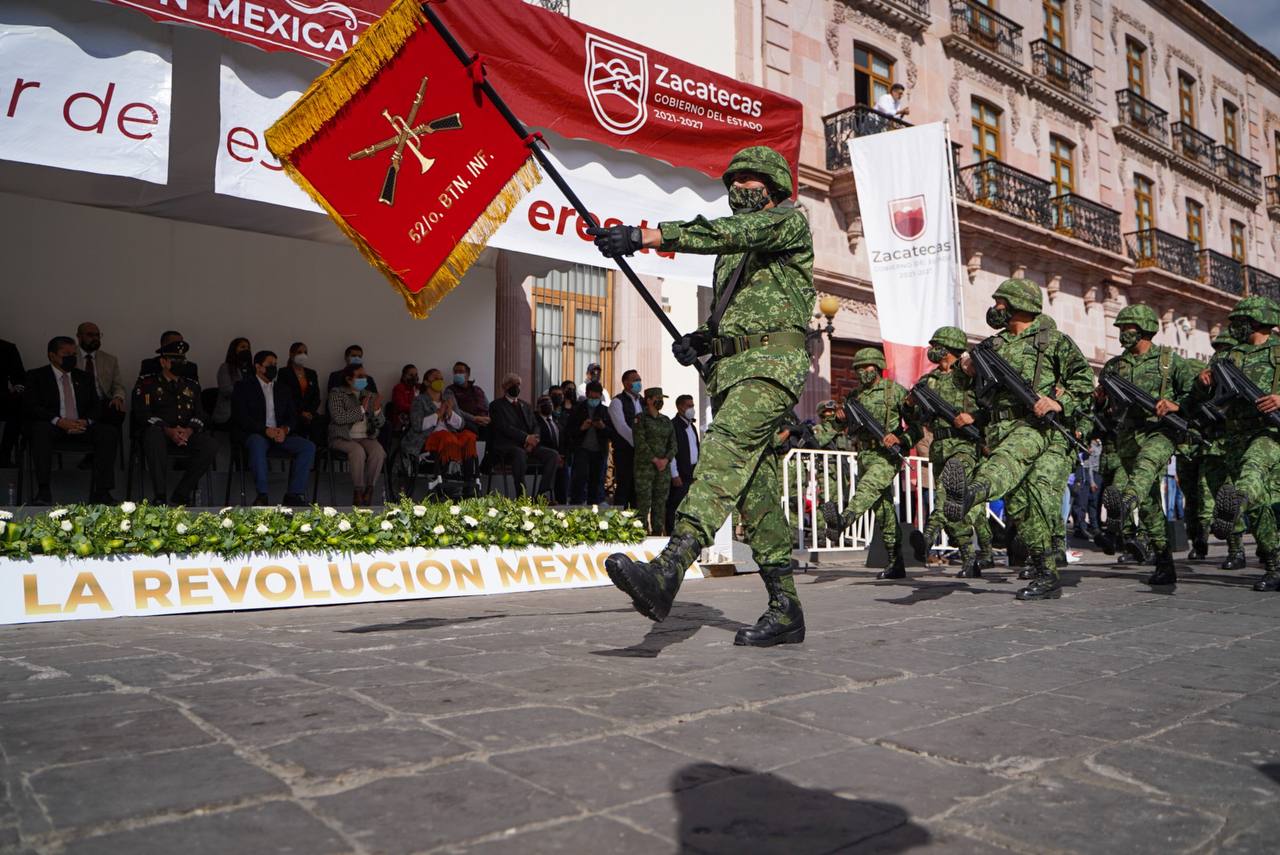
(727, 810)
(1271, 770)
(928, 592)
(433, 623)
(681, 625)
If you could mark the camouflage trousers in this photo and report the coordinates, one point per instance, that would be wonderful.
(1256, 470)
(651, 490)
(873, 491)
(1144, 461)
(975, 523)
(1215, 470)
(738, 469)
(1026, 466)
(1108, 466)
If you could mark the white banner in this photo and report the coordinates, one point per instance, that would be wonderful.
(251, 100)
(50, 589)
(904, 192)
(84, 95)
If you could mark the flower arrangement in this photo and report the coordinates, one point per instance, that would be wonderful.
(95, 531)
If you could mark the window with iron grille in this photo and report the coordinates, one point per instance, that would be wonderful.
(572, 325)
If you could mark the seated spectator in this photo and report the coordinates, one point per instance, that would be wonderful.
(551, 435)
(237, 365)
(436, 426)
(169, 407)
(402, 396)
(151, 365)
(514, 439)
(60, 403)
(264, 416)
(469, 399)
(355, 416)
(15, 377)
(104, 369)
(353, 355)
(304, 383)
(587, 444)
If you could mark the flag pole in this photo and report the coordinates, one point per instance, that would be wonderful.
(961, 271)
(550, 169)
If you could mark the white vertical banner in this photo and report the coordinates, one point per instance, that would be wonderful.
(908, 221)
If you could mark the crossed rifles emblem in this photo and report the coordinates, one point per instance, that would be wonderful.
(407, 135)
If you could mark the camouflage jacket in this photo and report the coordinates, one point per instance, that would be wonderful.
(1052, 362)
(885, 401)
(1189, 449)
(1160, 373)
(654, 437)
(831, 436)
(776, 293)
(1261, 364)
(957, 389)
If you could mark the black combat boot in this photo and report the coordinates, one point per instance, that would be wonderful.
(922, 542)
(1270, 580)
(1199, 549)
(1045, 584)
(1059, 544)
(1027, 572)
(1165, 573)
(1139, 548)
(652, 585)
(961, 494)
(970, 568)
(985, 560)
(834, 521)
(1119, 512)
(1229, 508)
(896, 570)
(1235, 559)
(783, 622)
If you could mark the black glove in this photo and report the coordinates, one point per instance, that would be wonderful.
(617, 240)
(689, 347)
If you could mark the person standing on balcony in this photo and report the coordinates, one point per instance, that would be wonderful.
(890, 103)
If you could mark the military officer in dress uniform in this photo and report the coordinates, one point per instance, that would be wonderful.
(167, 409)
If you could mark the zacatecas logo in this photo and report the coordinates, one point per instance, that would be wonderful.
(617, 83)
(906, 217)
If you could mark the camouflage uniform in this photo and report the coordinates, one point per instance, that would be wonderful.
(755, 378)
(654, 437)
(1214, 471)
(830, 435)
(1188, 467)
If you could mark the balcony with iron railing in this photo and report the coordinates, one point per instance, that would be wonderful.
(1062, 70)
(1154, 248)
(1085, 220)
(859, 121)
(988, 29)
(1221, 272)
(1193, 145)
(1261, 282)
(1000, 187)
(1144, 117)
(1239, 170)
(915, 7)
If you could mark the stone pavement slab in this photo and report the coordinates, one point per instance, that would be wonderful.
(932, 714)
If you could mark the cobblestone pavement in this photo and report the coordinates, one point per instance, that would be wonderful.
(931, 713)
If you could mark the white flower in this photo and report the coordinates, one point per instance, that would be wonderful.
(438, 530)
(560, 515)
(343, 525)
(261, 529)
(595, 509)
(419, 511)
(66, 525)
(330, 512)
(564, 523)
(286, 511)
(526, 510)
(181, 528)
(363, 510)
(604, 526)
(124, 525)
(306, 528)
(628, 514)
(2, 525)
(57, 514)
(128, 507)
(528, 525)
(493, 512)
(638, 524)
(228, 523)
(455, 509)
(391, 511)
(471, 521)
(537, 512)
(5, 515)
(225, 510)
(387, 526)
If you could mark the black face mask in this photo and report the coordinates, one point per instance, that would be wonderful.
(66, 363)
(91, 346)
(936, 354)
(270, 373)
(997, 318)
(557, 402)
(1240, 328)
(514, 391)
(545, 409)
(244, 359)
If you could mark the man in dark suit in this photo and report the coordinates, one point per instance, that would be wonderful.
(353, 355)
(61, 405)
(687, 446)
(551, 435)
(587, 434)
(264, 416)
(514, 438)
(14, 379)
(151, 365)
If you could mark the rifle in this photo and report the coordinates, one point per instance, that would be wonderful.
(993, 370)
(932, 406)
(1126, 395)
(1231, 384)
(861, 420)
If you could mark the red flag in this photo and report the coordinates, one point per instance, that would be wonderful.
(399, 145)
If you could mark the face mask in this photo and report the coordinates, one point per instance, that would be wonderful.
(657, 406)
(355, 360)
(1240, 328)
(361, 383)
(66, 363)
(828, 417)
(270, 373)
(637, 387)
(93, 345)
(459, 379)
(592, 403)
(688, 414)
(175, 365)
(299, 359)
(868, 376)
(997, 318)
(437, 385)
(1129, 338)
(744, 200)
(514, 391)
(936, 354)
(545, 409)
(243, 358)
(557, 402)
(411, 380)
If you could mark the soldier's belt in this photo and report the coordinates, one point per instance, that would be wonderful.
(728, 345)
(946, 433)
(1008, 414)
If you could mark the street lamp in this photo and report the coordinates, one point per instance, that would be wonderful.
(828, 306)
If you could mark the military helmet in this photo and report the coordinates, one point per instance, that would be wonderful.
(826, 405)
(1022, 295)
(1141, 316)
(1224, 341)
(766, 161)
(869, 356)
(1259, 309)
(952, 338)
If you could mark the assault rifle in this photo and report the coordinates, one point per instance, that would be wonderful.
(1127, 395)
(1230, 383)
(993, 370)
(932, 406)
(861, 420)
